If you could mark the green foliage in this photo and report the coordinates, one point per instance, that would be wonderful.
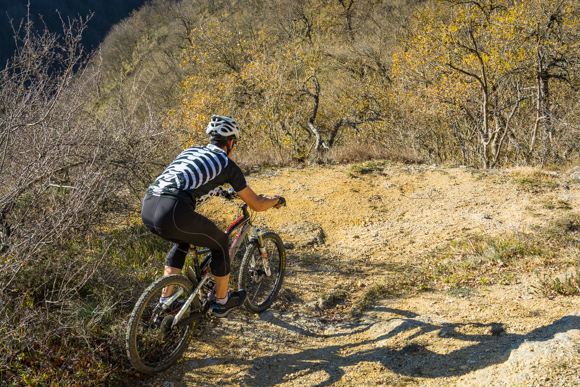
(102, 295)
(536, 182)
(367, 167)
(488, 260)
(566, 229)
(376, 292)
(556, 205)
(551, 286)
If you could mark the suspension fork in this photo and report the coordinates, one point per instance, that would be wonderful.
(263, 252)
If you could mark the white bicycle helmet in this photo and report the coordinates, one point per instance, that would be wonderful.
(223, 127)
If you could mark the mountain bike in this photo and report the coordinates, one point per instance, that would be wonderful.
(158, 334)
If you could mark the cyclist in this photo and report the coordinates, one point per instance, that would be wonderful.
(168, 208)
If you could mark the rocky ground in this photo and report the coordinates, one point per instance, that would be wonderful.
(348, 228)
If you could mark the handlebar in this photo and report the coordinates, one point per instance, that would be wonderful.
(230, 194)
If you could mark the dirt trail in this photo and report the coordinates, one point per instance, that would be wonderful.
(347, 228)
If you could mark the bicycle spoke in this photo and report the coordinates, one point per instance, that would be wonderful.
(262, 288)
(152, 344)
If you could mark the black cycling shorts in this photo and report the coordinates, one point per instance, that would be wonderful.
(176, 221)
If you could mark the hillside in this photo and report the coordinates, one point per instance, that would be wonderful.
(356, 308)
(105, 14)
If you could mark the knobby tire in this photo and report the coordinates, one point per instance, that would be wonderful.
(151, 346)
(262, 290)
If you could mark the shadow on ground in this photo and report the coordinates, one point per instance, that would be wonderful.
(478, 351)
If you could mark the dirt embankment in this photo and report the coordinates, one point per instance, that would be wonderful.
(351, 227)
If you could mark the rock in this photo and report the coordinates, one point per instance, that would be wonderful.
(285, 294)
(497, 329)
(305, 233)
(310, 307)
(412, 348)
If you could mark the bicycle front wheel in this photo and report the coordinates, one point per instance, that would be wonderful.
(261, 276)
(152, 345)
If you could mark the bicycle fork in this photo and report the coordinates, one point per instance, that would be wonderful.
(263, 252)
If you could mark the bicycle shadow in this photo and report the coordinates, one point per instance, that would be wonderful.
(328, 363)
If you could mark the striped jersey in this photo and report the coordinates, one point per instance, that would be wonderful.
(197, 171)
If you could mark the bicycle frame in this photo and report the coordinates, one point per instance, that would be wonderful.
(243, 225)
(158, 332)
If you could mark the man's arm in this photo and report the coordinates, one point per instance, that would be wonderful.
(257, 203)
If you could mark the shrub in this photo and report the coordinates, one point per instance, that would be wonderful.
(71, 169)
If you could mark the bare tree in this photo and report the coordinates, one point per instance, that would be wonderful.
(554, 42)
(67, 166)
(311, 88)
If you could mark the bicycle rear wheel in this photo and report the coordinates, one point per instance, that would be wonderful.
(152, 345)
(261, 277)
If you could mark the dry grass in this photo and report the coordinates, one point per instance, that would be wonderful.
(251, 158)
(477, 260)
(358, 152)
(78, 336)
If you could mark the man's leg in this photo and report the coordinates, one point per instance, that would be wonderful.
(178, 221)
(168, 291)
(156, 213)
(221, 286)
(174, 264)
